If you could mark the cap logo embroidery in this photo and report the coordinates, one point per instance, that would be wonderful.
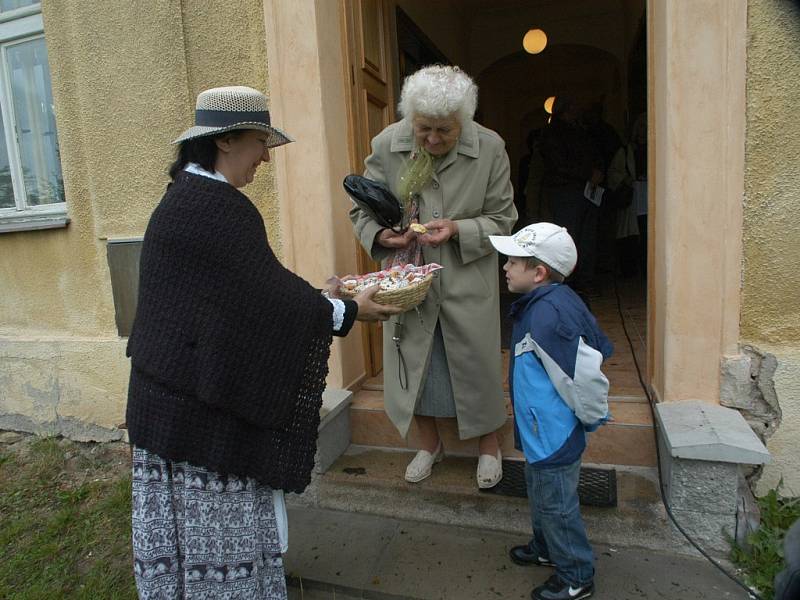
(525, 238)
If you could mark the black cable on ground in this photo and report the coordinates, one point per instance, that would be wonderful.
(652, 405)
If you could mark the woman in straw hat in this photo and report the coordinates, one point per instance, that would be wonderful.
(228, 361)
(453, 175)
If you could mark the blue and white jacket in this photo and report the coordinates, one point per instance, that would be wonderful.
(557, 387)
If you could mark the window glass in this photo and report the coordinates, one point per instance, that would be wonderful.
(35, 122)
(6, 186)
(6, 5)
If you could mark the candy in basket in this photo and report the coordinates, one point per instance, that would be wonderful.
(403, 286)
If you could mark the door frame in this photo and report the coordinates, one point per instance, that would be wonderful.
(373, 84)
(696, 98)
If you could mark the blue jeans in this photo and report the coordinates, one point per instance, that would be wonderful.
(558, 531)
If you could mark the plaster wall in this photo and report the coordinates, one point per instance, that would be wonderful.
(782, 445)
(124, 82)
(770, 315)
(770, 302)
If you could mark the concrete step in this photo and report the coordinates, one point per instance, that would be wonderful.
(628, 440)
(370, 480)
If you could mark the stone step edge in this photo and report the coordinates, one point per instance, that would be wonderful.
(359, 448)
(645, 471)
(509, 419)
(371, 387)
(489, 511)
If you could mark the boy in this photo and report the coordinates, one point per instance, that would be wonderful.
(558, 393)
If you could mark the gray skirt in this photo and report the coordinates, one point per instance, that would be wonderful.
(436, 399)
(199, 535)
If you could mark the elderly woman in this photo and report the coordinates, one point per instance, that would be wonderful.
(453, 176)
(228, 361)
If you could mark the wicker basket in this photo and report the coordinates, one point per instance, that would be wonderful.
(405, 298)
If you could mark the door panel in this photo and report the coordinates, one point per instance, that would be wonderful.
(370, 43)
(377, 115)
(371, 38)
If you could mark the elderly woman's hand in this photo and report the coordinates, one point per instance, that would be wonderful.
(391, 239)
(369, 310)
(439, 231)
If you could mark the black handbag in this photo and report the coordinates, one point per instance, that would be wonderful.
(375, 199)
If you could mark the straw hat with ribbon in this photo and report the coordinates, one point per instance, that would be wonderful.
(228, 108)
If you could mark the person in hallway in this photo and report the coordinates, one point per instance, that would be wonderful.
(604, 137)
(444, 360)
(558, 393)
(570, 160)
(229, 355)
(606, 142)
(531, 183)
(629, 170)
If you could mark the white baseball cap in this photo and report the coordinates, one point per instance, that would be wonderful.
(550, 243)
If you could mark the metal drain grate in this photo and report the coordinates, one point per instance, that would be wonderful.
(596, 487)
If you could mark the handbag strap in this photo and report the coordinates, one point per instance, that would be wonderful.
(402, 370)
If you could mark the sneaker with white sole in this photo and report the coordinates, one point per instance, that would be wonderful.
(420, 468)
(490, 470)
(556, 588)
(525, 555)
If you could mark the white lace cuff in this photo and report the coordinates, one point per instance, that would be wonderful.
(338, 313)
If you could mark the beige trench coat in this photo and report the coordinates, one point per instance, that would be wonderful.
(471, 186)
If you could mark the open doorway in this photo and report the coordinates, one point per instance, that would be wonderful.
(595, 55)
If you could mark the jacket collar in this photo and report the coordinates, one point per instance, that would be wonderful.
(522, 303)
(468, 145)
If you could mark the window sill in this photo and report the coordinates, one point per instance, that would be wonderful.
(32, 223)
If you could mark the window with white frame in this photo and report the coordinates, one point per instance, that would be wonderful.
(31, 186)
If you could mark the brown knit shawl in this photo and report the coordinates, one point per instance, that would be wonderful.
(229, 349)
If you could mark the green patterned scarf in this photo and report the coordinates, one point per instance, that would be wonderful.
(415, 175)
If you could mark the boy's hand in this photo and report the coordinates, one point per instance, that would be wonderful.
(439, 231)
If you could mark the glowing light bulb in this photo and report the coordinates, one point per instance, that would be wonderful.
(534, 41)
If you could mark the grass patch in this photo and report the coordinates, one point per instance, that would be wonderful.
(62, 535)
(764, 557)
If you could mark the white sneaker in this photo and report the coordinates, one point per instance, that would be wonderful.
(490, 470)
(420, 468)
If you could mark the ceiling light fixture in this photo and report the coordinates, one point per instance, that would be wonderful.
(534, 41)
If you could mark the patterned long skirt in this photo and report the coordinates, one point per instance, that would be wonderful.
(199, 535)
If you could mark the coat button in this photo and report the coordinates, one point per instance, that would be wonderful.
(436, 214)
(436, 185)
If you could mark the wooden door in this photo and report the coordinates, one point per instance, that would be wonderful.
(371, 59)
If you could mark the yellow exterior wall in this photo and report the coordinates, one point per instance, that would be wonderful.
(770, 317)
(125, 77)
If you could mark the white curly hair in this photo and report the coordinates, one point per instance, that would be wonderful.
(439, 91)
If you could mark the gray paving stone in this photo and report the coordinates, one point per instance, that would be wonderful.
(389, 559)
